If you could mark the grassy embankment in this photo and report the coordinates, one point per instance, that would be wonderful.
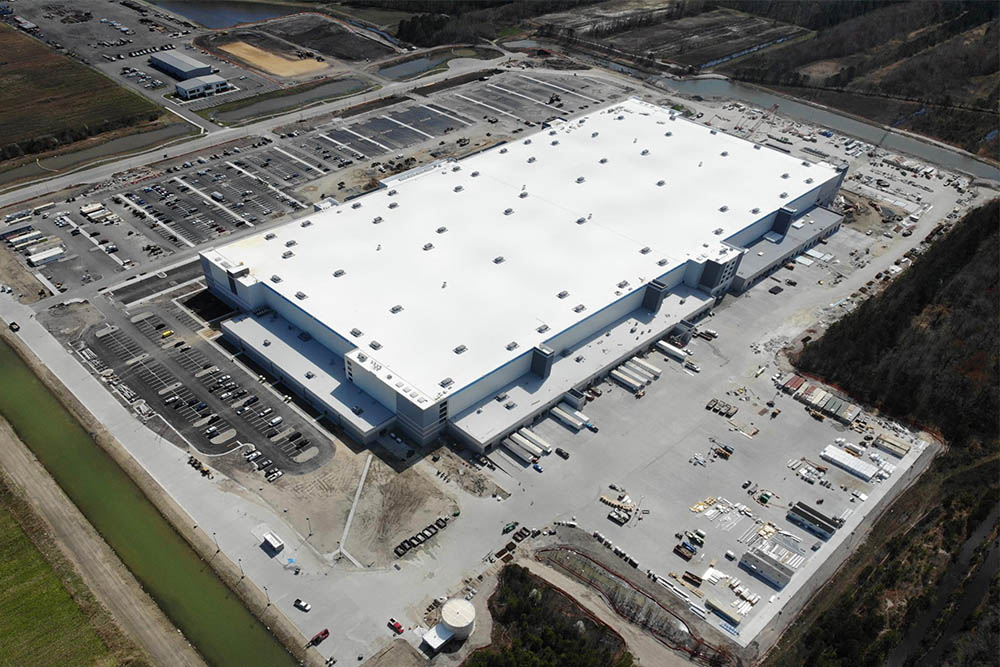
(48, 616)
(924, 351)
(49, 101)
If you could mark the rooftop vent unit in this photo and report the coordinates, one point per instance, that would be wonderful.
(717, 231)
(289, 244)
(723, 209)
(508, 211)
(460, 349)
(809, 180)
(267, 342)
(555, 142)
(531, 160)
(581, 220)
(498, 260)
(375, 345)
(623, 284)
(785, 175)
(713, 131)
(445, 383)
(458, 188)
(580, 179)
(510, 405)
(475, 173)
(362, 357)
(783, 195)
(543, 328)
(620, 118)
(306, 223)
(502, 151)
(501, 397)
(669, 134)
(391, 193)
(428, 246)
(512, 346)
(644, 251)
(310, 375)
(552, 133)
(338, 273)
(356, 204)
(357, 334)
(396, 309)
(662, 262)
(393, 204)
(756, 147)
(287, 254)
(755, 210)
(563, 294)
(661, 183)
(456, 168)
(725, 154)
(527, 141)
(269, 236)
(275, 278)
(593, 135)
(579, 308)
(441, 230)
(806, 163)
(523, 194)
(358, 410)
(603, 160)
(645, 151)
(301, 296)
(377, 219)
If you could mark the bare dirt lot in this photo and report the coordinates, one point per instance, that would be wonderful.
(328, 36)
(273, 63)
(14, 274)
(393, 506)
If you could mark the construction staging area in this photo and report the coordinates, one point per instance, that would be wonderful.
(409, 339)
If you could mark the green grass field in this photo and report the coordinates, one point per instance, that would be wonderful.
(40, 624)
(43, 93)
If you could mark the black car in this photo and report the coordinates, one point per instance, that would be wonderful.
(562, 452)
(776, 290)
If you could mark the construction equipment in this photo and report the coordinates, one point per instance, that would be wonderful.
(763, 117)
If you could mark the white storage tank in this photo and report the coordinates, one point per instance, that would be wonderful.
(459, 616)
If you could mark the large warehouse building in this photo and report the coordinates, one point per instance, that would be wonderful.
(178, 65)
(472, 295)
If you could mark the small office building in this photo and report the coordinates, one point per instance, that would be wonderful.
(201, 86)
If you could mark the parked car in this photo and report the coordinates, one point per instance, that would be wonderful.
(562, 452)
(396, 626)
(301, 604)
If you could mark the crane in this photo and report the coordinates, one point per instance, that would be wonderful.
(760, 120)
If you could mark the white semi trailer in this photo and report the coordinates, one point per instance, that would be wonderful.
(626, 381)
(537, 439)
(566, 418)
(671, 351)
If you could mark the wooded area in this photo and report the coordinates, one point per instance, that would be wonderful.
(534, 625)
(924, 351)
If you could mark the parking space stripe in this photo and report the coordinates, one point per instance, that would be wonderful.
(408, 127)
(552, 85)
(492, 108)
(530, 99)
(344, 146)
(261, 180)
(371, 141)
(294, 157)
(213, 202)
(442, 113)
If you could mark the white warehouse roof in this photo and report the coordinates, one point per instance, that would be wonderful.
(476, 253)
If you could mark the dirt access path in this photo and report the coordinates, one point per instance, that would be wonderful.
(111, 582)
(645, 649)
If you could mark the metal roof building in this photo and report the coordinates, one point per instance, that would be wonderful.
(525, 270)
(179, 65)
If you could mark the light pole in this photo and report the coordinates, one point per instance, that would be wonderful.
(309, 524)
(267, 596)
(217, 547)
(239, 562)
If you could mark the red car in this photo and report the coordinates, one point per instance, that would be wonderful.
(320, 636)
(396, 626)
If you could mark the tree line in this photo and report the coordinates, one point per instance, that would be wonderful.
(46, 142)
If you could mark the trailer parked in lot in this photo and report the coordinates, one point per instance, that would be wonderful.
(648, 367)
(518, 451)
(671, 351)
(638, 371)
(626, 381)
(566, 418)
(526, 445)
(625, 370)
(537, 439)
